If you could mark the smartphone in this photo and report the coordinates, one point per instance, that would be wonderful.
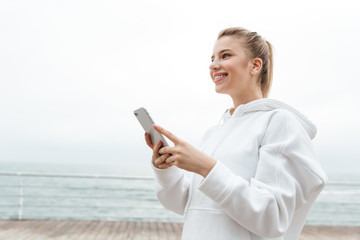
(147, 123)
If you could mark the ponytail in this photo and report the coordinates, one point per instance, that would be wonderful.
(266, 79)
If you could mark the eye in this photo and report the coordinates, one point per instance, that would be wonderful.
(225, 55)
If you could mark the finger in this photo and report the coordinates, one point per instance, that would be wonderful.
(157, 146)
(167, 149)
(164, 165)
(170, 159)
(148, 140)
(158, 159)
(166, 133)
(161, 159)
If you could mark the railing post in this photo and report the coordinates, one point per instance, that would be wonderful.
(97, 197)
(21, 196)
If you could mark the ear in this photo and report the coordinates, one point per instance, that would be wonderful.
(256, 66)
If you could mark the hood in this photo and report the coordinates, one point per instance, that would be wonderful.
(266, 104)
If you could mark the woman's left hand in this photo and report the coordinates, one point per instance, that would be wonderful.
(185, 156)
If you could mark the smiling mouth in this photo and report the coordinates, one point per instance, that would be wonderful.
(219, 77)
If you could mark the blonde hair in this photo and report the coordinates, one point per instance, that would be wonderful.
(256, 47)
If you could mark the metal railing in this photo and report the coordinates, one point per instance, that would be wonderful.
(107, 197)
(75, 196)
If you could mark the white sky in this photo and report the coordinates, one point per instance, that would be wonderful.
(72, 72)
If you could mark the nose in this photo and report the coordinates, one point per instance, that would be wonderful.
(214, 65)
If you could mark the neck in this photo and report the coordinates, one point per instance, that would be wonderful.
(243, 99)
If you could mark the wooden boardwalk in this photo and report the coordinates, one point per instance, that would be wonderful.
(107, 230)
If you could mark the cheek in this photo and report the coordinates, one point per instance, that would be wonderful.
(211, 74)
(229, 68)
(235, 68)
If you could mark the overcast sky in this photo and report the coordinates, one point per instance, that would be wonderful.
(72, 72)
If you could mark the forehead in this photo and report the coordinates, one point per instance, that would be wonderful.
(228, 42)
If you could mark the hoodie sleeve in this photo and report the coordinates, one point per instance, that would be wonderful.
(172, 188)
(288, 176)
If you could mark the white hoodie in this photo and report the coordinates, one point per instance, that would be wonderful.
(264, 182)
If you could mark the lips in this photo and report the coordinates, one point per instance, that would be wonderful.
(219, 76)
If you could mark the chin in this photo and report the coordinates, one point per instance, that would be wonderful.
(220, 89)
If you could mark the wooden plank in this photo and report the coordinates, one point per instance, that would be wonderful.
(177, 230)
(170, 232)
(72, 227)
(139, 231)
(78, 231)
(161, 231)
(330, 233)
(146, 231)
(119, 231)
(86, 230)
(103, 230)
(112, 230)
(24, 228)
(7, 228)
(42, 231)
(58, 229)
(154, 231)
(129, 231)
(4, 225)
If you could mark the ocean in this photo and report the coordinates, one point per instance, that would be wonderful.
(128, 198)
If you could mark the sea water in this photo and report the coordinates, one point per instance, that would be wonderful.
(130, 199)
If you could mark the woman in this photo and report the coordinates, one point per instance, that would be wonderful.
(255, 175)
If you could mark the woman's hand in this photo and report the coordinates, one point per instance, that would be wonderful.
(184, 155)
(159, 161)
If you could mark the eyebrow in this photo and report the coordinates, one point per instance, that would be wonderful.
(224, 50)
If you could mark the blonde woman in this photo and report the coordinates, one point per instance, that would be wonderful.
(255, 175)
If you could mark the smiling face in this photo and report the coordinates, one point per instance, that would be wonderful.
(232, 71)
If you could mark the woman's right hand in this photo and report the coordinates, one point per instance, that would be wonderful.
(159, 161)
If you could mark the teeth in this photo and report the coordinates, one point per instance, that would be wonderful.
(220, 76)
